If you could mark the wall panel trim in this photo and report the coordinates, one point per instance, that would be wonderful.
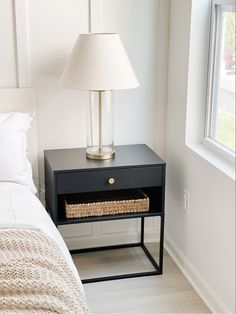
(22, 54)
(96, 16)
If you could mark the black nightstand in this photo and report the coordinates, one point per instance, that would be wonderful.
(68, 171)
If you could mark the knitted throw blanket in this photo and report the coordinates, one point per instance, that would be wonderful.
(34, 276)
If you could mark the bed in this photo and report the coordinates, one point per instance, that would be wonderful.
(37, 274)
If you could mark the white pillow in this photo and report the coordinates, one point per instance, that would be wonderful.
(14, 165)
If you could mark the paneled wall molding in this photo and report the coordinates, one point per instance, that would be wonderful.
(89, 16)
(95, 16)
(22, 54)
(162, 70)
(74, 241)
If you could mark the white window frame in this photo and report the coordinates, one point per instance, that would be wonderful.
(213, 81)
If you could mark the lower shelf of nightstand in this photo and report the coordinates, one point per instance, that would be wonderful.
(157, 271)
(158, 267)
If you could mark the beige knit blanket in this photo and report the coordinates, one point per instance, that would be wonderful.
(35, 277)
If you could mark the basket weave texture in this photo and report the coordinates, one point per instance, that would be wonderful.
(106, 203)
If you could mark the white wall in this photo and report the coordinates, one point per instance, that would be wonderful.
(203, 241)
(38, 37)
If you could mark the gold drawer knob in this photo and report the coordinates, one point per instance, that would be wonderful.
(111, 180)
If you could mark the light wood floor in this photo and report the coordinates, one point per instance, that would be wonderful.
(167, 293)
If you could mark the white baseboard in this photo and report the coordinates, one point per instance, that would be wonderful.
(206, 293)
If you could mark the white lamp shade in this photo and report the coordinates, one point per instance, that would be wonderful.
(99, 62)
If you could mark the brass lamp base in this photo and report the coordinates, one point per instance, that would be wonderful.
(97, 153)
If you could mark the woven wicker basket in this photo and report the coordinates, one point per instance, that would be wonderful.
(106, 203)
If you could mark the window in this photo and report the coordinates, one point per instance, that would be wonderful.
(220, 119)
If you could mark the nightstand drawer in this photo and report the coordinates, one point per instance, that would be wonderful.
(100, 180)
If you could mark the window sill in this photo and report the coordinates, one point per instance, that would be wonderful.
(204, 150)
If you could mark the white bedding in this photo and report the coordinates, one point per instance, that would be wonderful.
(20, 208)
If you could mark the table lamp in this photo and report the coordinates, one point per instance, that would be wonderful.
(99, 64)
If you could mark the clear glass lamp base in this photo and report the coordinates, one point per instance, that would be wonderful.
(105, 152)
